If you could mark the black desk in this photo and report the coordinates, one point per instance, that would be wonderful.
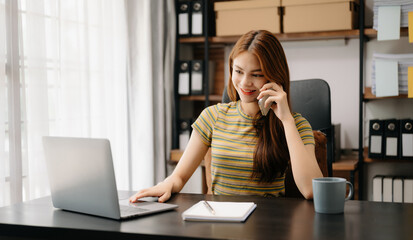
(276, 218)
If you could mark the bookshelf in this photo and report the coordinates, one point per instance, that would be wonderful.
(369, 167)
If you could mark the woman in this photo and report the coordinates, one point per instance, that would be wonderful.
(250, 152)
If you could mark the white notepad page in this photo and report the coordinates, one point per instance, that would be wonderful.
(224, 211)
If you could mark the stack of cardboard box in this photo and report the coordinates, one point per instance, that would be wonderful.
(285, 16)
(238, 17)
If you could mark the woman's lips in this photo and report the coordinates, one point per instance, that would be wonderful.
(247, 92)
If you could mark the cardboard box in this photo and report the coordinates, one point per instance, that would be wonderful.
(238, 17)
(319, 15)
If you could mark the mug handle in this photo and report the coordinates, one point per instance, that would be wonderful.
(350, 193)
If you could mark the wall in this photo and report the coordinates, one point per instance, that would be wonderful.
(335, 61)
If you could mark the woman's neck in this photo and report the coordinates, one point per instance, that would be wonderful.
(250, 108)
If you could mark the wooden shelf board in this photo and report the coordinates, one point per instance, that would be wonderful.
(176, 155)
(382, 160)
(345, 165)
(387, 160)
(281, 36)
(372, 33)
(368, 95)
(214, 98)
(347, 34)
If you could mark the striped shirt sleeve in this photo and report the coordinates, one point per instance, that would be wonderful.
(304, 129)
(204, 124)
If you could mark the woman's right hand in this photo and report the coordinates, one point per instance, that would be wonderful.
(163, 191)
(190, 160)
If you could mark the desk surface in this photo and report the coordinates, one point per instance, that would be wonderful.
(279, 218)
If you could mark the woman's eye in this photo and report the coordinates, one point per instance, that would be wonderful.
(257, 75)
(238, 71)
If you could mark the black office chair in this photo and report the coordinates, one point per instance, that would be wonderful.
(311, 98)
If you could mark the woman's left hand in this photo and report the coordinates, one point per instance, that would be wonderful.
(277, 99)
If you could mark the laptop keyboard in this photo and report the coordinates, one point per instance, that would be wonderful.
(126, 210)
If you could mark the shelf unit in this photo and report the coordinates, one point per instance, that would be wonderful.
(366, 96)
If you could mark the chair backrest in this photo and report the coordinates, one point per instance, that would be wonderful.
(311, 98)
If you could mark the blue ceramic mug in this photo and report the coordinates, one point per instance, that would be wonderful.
(329, 194)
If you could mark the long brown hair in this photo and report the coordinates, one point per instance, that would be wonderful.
(271, 155)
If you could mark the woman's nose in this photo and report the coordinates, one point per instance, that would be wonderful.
(246, 80)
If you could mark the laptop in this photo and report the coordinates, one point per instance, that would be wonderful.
(82, 179)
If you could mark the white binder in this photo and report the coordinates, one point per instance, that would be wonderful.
(197, 18)
(183, 18)
(184, 78)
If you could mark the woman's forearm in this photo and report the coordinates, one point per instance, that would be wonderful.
(190, 160)
(303, 162)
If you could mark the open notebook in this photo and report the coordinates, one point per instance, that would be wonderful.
(223, 211)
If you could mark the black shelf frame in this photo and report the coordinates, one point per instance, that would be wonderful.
(362, 41)
(205, 74)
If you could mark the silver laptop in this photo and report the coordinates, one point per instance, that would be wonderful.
(82, 179)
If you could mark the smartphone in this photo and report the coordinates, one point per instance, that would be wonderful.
(264, 110)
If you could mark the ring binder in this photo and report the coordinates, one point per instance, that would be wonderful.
(197, 73)
(408, 190)
(406, 139)
(184, 132)
(376, 138)
(378, 188)
(398, 189)
(391, 138)
(197, 18)
(184, 20)
(387, 189)
(184, 79)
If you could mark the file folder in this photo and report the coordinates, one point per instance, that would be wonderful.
(406, 138)
(184, 20)
(387, 189)
(184, 78)
(398, 189)
(197, 79)
(391, 138)
(378, 188)
(408, 190)
(376, 138)
(197, 18)
(184, 133)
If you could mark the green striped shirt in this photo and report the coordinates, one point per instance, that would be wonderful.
(232, 137)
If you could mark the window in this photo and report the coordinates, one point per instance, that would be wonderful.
(62, 72)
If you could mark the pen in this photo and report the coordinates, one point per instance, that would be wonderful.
(207, 205)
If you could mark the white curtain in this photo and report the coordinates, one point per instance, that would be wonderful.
(90, 68)
(73, 74)
(4, 187)
(151, 24)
